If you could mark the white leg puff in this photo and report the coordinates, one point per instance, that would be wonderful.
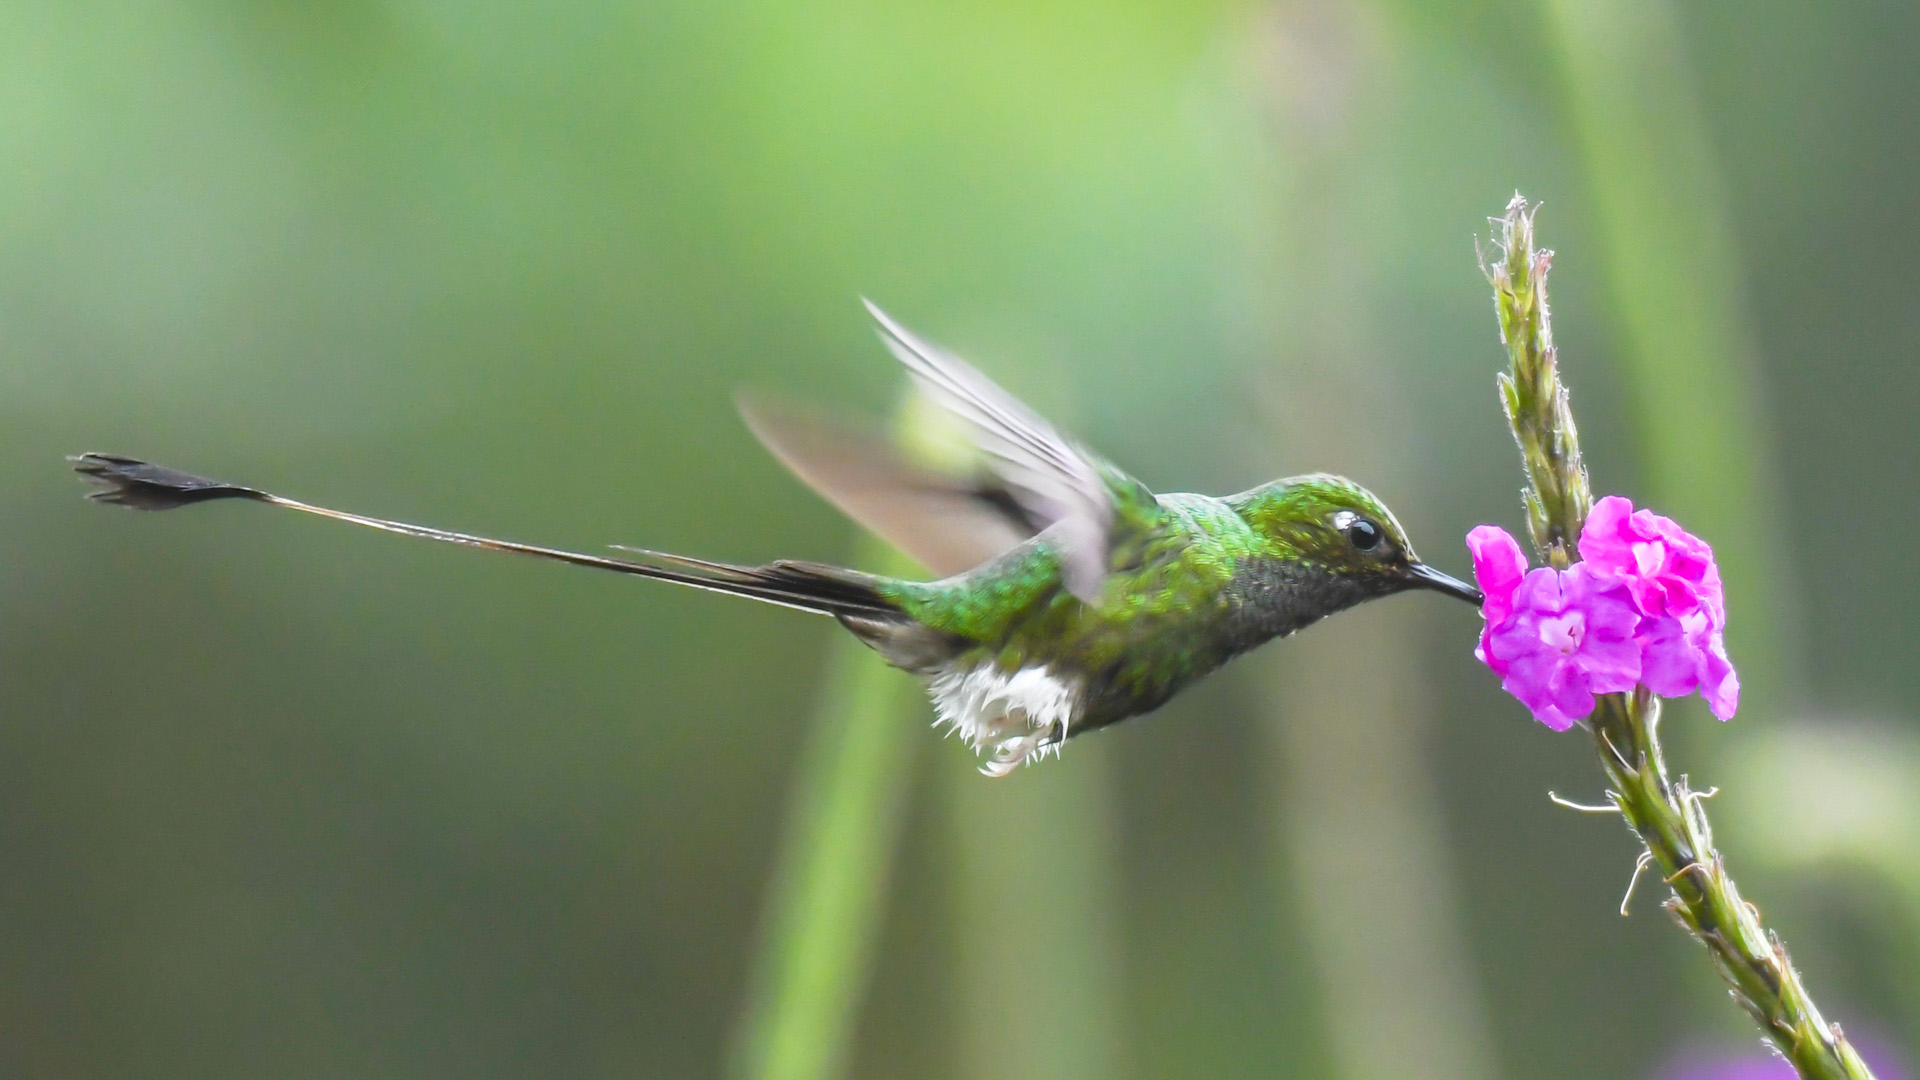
(1021, 715)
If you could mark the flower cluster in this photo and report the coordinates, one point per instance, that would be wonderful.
(1643, 606)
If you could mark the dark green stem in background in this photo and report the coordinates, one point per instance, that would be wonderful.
(1663, 241)
(834, 867)
(1668, 817)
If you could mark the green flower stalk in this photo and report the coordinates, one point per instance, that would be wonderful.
(1666, 815)
(1557, 494)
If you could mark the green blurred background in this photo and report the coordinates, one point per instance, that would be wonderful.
(283, 799)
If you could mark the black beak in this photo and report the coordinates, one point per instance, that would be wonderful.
(1426, 577)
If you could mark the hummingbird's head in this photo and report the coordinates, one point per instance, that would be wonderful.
(1338, 526)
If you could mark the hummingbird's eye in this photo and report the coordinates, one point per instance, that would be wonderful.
(1364, 535)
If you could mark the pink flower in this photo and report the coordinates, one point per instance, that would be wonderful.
(1670, 570)
(1644, 606)
(1676, 586)
(1498, 566)
(1686, 653)
(1568, 637)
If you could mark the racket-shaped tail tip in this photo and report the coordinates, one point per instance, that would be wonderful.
(140, 485)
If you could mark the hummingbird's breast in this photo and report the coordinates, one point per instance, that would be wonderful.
(1169, 646)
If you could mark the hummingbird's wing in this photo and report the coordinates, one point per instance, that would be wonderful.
(1081, 498)
(946, 523)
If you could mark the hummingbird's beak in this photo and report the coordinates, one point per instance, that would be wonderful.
(1426, 577)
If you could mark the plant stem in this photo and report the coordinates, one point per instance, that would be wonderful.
(1667, 816)
(1357, 839)
(834, 864)
(1049, 1008)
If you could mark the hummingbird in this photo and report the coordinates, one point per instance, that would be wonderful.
(1069, 596)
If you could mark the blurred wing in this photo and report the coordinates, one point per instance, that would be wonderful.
(1061, 487)
(944, 523)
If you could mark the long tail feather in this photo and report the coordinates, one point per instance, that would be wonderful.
(814, 587)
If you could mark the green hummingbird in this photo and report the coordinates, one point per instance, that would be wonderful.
(1072, 597)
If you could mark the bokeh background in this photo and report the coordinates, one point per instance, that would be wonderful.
(284, 799)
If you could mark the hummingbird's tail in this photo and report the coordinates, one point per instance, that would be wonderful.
(850, 596)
